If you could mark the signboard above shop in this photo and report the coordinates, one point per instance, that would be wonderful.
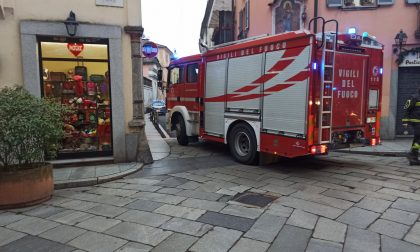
(411, 60)
(110, 3)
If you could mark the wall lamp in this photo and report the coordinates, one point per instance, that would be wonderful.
(71, 24)
(400, 40)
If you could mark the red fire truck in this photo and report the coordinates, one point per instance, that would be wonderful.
(291, 94)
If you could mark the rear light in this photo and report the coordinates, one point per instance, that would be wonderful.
(313, 150)
(319, 149)
(373, 142)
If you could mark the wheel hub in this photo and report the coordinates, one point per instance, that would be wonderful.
(242, 143)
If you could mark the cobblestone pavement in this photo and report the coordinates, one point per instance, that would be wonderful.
(190, 202)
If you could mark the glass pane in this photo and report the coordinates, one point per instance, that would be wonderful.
(373, 99)
(82, 85)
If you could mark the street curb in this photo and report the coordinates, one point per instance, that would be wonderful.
(374, 153)
(95, 181)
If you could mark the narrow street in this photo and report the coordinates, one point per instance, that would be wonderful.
(199, 199)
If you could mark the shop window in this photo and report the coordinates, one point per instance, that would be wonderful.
(76, 74)
(176, 75)
(192, 73)
(286, 16)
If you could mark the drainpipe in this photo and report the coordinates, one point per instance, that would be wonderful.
(315, 16)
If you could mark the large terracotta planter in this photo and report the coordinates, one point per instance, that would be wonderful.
(26, 187)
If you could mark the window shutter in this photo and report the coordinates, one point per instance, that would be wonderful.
(385, 2)
(247, 10)
(334, 3)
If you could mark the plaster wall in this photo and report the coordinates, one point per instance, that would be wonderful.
(25, 19)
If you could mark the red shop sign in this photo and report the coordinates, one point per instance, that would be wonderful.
(75, 48)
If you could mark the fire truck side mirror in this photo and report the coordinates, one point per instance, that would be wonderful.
(159, 75)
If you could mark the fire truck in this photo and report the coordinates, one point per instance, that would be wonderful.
(291, 94)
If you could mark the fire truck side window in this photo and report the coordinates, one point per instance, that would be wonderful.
(176, 75)
(192, 73)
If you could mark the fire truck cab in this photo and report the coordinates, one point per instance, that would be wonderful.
(291, 94)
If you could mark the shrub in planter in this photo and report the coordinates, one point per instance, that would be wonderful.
(30, 128)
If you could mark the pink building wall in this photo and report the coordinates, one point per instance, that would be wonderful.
(383, 22)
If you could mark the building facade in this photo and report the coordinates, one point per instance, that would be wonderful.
(90, 71)
(157, 91)
(383, 19)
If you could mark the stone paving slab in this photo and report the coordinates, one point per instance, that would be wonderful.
(302, 219)
(389, 244)
(106, 210)
(139, 233)
(311, 207)
(98, 223)
(179, 211)
(242, 211)
(135, 247)
(358, 217)
(408, 205)
(63, 233)
(32, 225)
(373, 204)
(389, 228)
(266, 228)
(291, 238)
(361, 240)
(187, 227)
(176, 242)
(248, 245)
(219, 239)
(204, 204)
(414, 235)
(145, 218)
(7, 218)
(316, 245)
(29, 242)
(91, 241)
(343, 195)
(227, 221)
(44, 211)
(7, 236)
(330, 230)
(400, 216)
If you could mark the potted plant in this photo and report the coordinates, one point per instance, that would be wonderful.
(30, 129)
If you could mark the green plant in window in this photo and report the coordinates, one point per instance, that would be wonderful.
(30, 129)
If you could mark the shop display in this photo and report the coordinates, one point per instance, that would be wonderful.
(88, 122)
(75, 74)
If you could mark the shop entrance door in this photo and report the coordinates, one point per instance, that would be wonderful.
(75, 73)
(408, 83)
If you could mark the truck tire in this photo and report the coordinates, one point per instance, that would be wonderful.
(243, 144)
(181, 134)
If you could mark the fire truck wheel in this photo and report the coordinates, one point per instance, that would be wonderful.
(243, 144)
(181, 134)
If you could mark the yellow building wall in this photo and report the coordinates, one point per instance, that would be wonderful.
(58, 10)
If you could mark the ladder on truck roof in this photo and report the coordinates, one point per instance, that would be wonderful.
(328, 46)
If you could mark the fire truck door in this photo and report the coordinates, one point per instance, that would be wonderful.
(176, 87)
(349, 90)
(190, 97)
